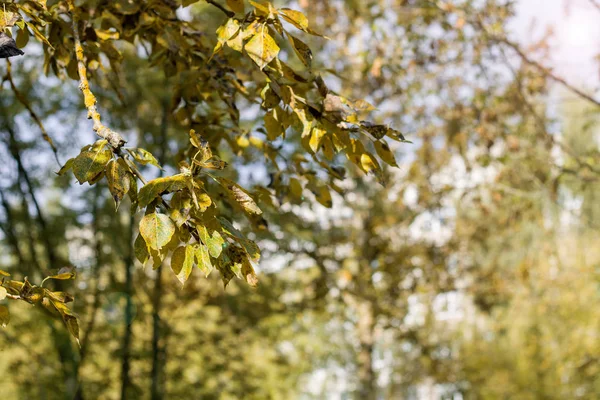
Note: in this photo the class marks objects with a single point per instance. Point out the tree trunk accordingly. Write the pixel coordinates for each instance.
(366, 375)
(158, 359)
(126, 347)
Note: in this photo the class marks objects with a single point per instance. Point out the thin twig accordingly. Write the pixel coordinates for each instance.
(596, 4)
(230, 14)
(32, 113)
(113, 138)
(546, 71)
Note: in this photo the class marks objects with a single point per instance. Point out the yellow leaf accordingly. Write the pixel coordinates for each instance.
(225, 33)
(262, 48)
(182, 262)
(316, 137)
(143, 157)
(213, 242)
(118, 179)
(157, 186)
(203, 258)
(240, 196)
(89, 163)
(324, 196)
(383, 150)
(296, 188)
(157, 230)
(272, 125)
(302, 50)
(295, 18)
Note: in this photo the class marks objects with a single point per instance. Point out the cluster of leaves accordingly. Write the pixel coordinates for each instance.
(53, 301)
(181, 212)
(300, 102)
(188, 224)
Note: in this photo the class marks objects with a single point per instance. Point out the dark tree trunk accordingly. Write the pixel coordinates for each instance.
(126, 347)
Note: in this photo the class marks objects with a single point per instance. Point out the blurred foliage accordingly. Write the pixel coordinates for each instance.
(451, 257)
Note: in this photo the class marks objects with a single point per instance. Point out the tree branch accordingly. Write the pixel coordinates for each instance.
(230, 14)
(113, 138)
(546, 71)
(23, 100)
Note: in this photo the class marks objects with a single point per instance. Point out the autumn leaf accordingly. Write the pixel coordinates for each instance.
(157, 186)
(203, 259)
(240, 195)
(157, 230)
(182, 262)
(90, 163)
(117, 176)
(262, 48)
(214, 242)
(143, 157)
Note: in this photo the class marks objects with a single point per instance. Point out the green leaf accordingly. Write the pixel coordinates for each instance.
(4, 316)
(117, 176)
(155, 187)
(157, 230)
(214, 242)
(240, 195)
(89, 163)
(262, 48)
(4, 273)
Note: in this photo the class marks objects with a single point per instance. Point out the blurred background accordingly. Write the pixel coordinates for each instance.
(473, 274)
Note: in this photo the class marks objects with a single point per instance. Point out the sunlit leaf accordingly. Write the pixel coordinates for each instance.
(159, 186)
(157, 230)
(143, 157)
(240, 195)
(213, 240)
(90, 163)
(182, 262)
(117, 176)
(262, 48)
(203, 259)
